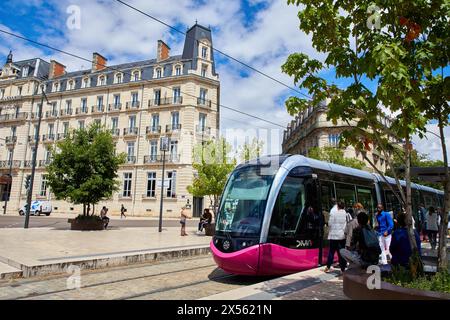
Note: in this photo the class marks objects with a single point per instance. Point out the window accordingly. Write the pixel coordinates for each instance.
(134, 99)
(25, 71)
(43, 191)
(85, 83)
(130, 151)
(116, 100)
(176, 95)
(127, 176)
(84, 105)
(175, 120)
(153, 150)
(13, 131)
(81, 124)
(333, 139)
(178, 70)
(51, 127)
(114, 123)
(155, 121)
(202, 121)
(56, 87)
(119, 78)
(157, 97)
(131, 122)
(347, 193)
(204, 70)
(151, 184)
(97, 122)
(202, 97)
(204, 52)
(158, 73)
(19, 91)
(65, 128)
(2, 93)
(48, 155)
(367, 198)
(101, 80)
(100, 103)
(71, 85)
(171, 176)
(136, 76)
(173, 150)
(68, 105)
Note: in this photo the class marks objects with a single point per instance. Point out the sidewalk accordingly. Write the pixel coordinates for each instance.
(40, 251)
(111, 216)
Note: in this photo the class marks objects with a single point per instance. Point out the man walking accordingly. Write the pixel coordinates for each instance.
(122, 212)
(384, 231)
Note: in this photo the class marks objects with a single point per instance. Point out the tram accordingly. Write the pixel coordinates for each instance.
(273, 211)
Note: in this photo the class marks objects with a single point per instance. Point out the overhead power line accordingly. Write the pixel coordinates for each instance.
(215, 49)
(146, 80)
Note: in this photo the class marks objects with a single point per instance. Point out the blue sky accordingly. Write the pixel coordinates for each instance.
(261, 33)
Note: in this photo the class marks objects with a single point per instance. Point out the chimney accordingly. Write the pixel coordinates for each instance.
(163, 52)
(56, 69)
(98, 62)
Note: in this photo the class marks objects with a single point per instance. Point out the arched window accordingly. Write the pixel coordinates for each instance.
(101, 80)
(119, 78)
(178, 70)
(136, 75)
(158, 72)
(85, 83)
(71, 85)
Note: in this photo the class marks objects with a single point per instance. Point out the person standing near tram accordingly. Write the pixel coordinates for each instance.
(384, 231)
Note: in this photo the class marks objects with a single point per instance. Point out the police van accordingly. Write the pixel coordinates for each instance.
(37, 208)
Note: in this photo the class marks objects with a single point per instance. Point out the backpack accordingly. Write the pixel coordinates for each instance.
(373, 250)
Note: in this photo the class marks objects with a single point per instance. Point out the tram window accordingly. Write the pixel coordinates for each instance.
(391, 202)
(366, 198)
(327, 193)
(288, 207)
(428, 200)
(347, 193)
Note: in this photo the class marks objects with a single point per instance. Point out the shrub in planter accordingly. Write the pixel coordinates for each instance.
(84, 222)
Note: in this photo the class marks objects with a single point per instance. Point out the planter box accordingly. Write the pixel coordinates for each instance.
(86, 225)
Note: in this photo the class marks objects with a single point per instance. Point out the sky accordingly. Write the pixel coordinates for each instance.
(261, 33)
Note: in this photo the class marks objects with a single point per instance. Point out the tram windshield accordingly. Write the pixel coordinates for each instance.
(244, 201)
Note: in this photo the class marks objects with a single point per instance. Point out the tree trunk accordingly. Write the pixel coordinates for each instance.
(409, 220)
(442, 249)
(88, 209)
(84, 209)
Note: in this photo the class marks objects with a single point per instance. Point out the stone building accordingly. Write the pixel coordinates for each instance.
(310, 128)
(171, 95)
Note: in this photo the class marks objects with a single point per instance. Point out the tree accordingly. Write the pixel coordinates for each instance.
(251, 150)
(213, 167)
(392, 46)
(84, 167)
(334, 155)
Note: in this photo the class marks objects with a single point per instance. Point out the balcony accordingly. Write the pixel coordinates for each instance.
(165, 101)
(10, 141)
(204, 102)
(153, 131)
(44, 163)
(66, 112)
(32, 139)
(61, 136)
(81, 111)
(20, 116)
(10, 164)
(115, 107)
(97, 109)
(172, 128)
(132, 105)
(130, 160)
(153, 158)
(48, 138)
(51, 114)
(115, 132)
(130, 132)
(27, 163)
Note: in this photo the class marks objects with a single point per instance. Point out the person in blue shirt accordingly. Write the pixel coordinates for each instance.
(384, 231)
(400, 247)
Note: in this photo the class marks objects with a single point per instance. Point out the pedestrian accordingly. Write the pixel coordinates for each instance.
(352, 224)
(364, 249)
(336, 235)
(205, 219)
(184, 215)
(122, 211)
(103, 216)
(400, 247)
(384, 231)
(423, 221)
(432, 226)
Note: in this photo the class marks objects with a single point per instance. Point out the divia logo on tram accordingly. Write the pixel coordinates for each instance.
(273, 214)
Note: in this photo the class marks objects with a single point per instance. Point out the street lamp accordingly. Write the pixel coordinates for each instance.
(163, 146)
(33, 161)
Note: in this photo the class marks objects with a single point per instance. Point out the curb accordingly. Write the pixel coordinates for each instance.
(105, 262)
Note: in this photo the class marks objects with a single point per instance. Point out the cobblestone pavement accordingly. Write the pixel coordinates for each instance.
(189, 278)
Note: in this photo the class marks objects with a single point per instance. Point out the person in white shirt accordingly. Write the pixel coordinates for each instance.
(336, 235)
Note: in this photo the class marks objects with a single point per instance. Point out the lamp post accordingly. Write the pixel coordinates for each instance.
(164, 146)
(33, 161)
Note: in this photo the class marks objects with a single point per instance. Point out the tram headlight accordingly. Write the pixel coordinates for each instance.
(226, 245)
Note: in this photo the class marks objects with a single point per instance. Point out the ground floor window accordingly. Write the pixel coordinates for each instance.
(43, 191)
(151, 184)
(127, 184)
(171, 176)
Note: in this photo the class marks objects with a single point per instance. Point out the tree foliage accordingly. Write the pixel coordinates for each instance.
(334, 155)
(213, 167)
(84, 167)
(251, 150)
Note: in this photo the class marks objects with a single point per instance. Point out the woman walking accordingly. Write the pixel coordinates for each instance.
(336, 235)
(184, 216)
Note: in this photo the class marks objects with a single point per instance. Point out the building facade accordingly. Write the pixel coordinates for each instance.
(140, 102)
(310, 128)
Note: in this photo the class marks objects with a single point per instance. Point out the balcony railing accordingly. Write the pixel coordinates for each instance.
(114, 107)
(132, 105)
(14, 117)
(130, 131)
(28, 163)
(202, 130)
(66, 112)
(115, 132)
(154, 158)
(204, 102)
(11, 140)
(44, 163)
(131, 159)
(32, 139)
(10, 164)
(153, 130)
(48, 137)
(51, 114)
(97, 108)
(165, 101)
(173, 127)
(81, 110)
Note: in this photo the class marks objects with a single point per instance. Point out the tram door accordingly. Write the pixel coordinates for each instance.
(326, 194)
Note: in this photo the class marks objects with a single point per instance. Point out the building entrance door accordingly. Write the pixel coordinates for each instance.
(197, 207)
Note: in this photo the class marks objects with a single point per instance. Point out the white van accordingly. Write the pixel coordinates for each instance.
(37, 208)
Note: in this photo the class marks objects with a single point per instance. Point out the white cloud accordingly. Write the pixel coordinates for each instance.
(431, 144)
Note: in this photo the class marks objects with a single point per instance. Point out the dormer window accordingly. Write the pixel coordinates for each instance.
(56, 87)
(204, 70)
(158, 73)
(136, 76)
(204, 52)
(101, 80)
(119, 78)
(25, 71)
(178, 70)
(85, 83)
(71, 85)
